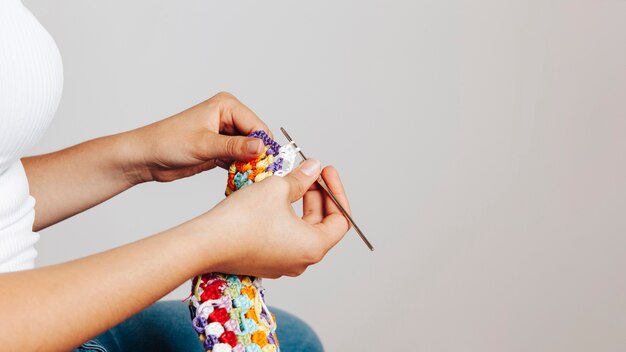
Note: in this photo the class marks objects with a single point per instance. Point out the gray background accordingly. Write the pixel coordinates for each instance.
(482, 143)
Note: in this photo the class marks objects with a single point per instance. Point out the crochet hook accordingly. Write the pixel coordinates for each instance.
(322, 184)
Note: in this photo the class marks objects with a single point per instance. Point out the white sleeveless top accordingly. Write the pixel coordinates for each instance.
(31, 80)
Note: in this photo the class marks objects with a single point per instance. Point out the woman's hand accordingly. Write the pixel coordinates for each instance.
(260, 234)
(74, 179)
(207, 135)
(254, 231)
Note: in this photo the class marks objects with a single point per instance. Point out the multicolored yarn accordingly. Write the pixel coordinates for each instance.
(228, 311)
(276, 160)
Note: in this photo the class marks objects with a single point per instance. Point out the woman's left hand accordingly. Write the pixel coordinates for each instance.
(209, 134)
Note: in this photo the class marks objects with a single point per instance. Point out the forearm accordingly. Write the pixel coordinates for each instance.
(72, 180)
(60, 306)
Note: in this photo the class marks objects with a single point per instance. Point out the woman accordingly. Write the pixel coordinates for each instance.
(63, 306)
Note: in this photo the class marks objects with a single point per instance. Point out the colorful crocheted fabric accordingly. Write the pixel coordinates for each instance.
(276, 160)
(228, 311)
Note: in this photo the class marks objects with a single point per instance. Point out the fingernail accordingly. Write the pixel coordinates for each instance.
(310, 167)
(254, 146)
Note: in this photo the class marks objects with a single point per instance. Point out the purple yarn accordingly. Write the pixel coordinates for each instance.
(210, 342)
(273, 149)
(273, 146)
(223, 302)
(270, 339)
(276, 165)
(199, 323)
(263, 315)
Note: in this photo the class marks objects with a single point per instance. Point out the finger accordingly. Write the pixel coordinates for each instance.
(239, 117)
(333, 181)
(333, 228)
(217, 146)
(205, 166)
(335, 225)
(171, 175)
(301, 178)
(313, 204)
(224, 164)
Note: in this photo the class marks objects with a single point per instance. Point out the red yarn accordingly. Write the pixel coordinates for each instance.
(217, 282)
(219, 315)
(211, 292)
(229, 337)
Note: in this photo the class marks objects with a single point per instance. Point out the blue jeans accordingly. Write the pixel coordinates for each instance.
(165, 326)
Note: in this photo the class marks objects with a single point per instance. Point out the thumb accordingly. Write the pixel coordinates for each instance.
(233, 147)
(302, 177)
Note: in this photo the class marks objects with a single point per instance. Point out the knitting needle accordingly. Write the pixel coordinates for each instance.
(321, 182)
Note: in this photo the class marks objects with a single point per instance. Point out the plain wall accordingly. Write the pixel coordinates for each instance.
(482, 144)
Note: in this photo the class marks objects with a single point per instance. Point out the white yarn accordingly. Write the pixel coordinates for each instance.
(288, 153)
(216, 329)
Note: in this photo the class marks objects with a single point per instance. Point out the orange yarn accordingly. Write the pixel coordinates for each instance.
(251, 314)
(241, 172)
(254, 173)
(259, 338)
(250, 291)
(231, 181)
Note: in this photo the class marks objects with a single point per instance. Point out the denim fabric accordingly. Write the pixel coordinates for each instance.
(166, 327)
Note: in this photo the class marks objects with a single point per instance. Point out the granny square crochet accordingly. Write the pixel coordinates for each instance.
(228, 311)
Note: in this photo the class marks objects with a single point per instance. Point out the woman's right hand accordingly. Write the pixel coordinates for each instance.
(255, 231)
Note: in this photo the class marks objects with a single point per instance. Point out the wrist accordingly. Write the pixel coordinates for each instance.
(208, 242)
(130, 157)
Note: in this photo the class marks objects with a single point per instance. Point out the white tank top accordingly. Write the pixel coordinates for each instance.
(31, 80)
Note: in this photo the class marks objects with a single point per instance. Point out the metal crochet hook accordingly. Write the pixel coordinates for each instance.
(322, 184)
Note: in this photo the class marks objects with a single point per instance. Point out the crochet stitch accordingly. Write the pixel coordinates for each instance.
(228, 311)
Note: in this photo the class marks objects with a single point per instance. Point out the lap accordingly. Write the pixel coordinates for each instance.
(166, 326)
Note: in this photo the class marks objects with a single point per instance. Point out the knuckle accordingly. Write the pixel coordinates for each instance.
(315, 255)
(297, 271)
(297, 184)
(318, 255)
(339, 193)
(223, 95)
(221, 100)
(231, 146)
